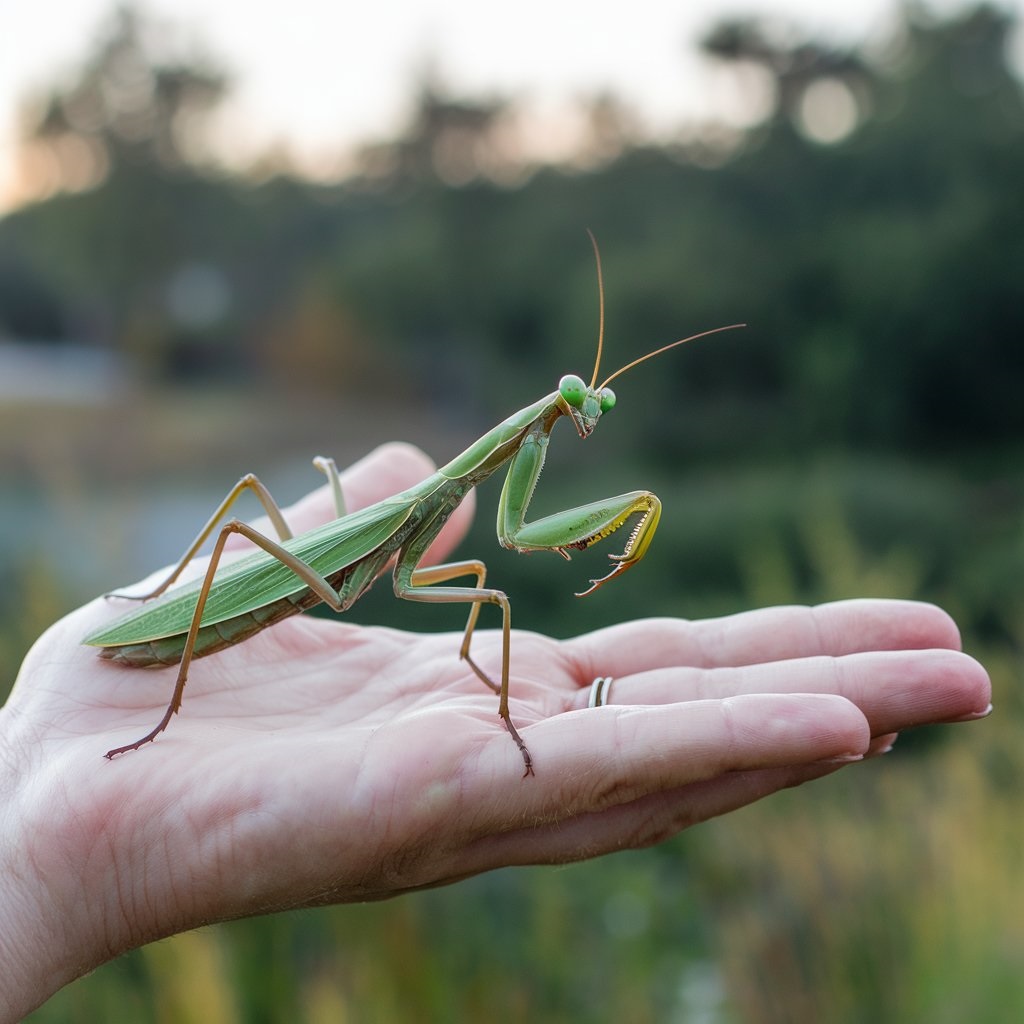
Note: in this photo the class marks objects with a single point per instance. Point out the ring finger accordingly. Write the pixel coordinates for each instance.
(894, 689)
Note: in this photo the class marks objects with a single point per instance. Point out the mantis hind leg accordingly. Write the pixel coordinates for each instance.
(249, 482)
(305, 572)
(419, 585)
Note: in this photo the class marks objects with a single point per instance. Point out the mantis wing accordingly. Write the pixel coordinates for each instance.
(259, 579)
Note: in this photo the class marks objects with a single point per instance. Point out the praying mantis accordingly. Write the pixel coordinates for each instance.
(336, 563)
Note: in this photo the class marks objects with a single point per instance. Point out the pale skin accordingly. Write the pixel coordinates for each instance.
(385, 754)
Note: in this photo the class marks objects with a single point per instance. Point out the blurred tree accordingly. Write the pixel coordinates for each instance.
(797, 68)
(446, 141)
(870, 231)
(126, 136)
(899, 241)
(129, 105)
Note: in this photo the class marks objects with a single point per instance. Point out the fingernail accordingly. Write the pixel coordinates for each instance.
(973, 716)
(841, 759)
(884, 749)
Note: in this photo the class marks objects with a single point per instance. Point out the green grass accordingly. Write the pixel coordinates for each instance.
(895, 893)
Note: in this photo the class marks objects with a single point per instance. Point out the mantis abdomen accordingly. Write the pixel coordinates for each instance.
(350, 583)
(168, 650)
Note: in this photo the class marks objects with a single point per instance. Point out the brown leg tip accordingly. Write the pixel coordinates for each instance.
(527, 759)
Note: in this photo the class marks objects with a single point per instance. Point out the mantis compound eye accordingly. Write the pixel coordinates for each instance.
(607, 399)
(573, 390)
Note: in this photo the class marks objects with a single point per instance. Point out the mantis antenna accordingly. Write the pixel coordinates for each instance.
(600, 328)
(600, 306)
(665, 348)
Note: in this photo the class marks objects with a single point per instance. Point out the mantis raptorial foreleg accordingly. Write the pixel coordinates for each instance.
(576, 528)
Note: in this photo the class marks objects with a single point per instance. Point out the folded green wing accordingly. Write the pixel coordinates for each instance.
(260, 579)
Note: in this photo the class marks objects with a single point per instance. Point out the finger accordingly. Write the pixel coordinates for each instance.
(588, 761)
(894, 689)
(768, 634)
(643, 822)
(882, 744)
(658, 816)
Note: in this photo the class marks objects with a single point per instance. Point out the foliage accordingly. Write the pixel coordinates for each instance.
(878, 273)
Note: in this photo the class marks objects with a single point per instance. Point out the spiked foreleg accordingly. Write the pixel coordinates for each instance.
(576, 528)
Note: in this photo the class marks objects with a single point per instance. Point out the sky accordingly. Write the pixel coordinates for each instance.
(319, 75)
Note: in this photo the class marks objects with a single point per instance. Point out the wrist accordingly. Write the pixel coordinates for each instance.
(29, 975)
(39, 953)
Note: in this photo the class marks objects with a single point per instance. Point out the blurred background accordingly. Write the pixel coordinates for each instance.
(226, 246)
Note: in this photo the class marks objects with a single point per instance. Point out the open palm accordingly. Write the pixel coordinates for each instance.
(322, 761)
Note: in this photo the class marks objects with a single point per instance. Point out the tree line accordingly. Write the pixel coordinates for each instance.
(869, 230)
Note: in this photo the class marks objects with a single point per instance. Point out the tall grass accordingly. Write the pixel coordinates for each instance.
(895, 893)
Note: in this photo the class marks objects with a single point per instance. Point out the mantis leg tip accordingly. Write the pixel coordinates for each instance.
(523, 749)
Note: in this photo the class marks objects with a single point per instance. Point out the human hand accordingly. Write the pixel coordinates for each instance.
(324, 762)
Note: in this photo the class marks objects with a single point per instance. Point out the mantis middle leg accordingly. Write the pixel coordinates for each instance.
(416, 584)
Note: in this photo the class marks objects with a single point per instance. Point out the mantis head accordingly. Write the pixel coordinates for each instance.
(588, 404)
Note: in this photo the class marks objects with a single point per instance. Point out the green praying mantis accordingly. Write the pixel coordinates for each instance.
(336, 563)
